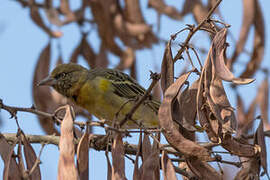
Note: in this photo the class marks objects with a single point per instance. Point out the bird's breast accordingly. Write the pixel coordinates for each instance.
(95, 96)
(98, 97)
(86, 96)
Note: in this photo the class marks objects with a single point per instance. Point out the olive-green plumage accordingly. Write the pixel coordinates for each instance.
(104, 93)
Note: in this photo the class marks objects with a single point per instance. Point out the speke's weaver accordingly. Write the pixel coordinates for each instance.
(104, 93)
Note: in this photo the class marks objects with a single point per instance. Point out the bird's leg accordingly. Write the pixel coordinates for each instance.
(102, 142)
(99, 143)
(106, 140)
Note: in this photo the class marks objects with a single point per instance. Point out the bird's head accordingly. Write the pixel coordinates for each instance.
(65, 78)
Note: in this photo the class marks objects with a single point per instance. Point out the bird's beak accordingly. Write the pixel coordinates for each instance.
(48, 81)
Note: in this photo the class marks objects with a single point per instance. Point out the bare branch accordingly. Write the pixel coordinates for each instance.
(193, 31)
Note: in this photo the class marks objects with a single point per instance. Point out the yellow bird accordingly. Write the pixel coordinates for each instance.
(106, 93)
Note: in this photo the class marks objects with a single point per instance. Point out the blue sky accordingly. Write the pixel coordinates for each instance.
(21, 42)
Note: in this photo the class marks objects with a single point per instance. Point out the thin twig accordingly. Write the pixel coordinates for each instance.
(266, 133)
(189, 57)
(220, 168)
(37, 162)
(236, 164)
(52, 139)
(193, 31)
(196, 54)
(129, 158)
(13, 112)
(155, 77)
(220, 22)
(189, 27)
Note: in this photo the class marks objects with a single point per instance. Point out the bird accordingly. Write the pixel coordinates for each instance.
(108, 94)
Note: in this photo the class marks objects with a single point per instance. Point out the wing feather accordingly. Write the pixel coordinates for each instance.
(126, 87)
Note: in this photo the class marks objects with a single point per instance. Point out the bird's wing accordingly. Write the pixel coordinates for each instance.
(124, 85)
(127, 87)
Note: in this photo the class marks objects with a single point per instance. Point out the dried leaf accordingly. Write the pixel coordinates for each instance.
(173, 136)
(187, 110)
(249, 118)
(69, 15)
(64, 7)
(118, 161)
(75, 54)
(162, 8)
(218, 49)
(102, 58)
(202, 169)
(156, 158)
(228, 142)
(219, 103)
(134, 35)
(136, 172)
(133, 71)
(203, 110)
(240, 112)
(258, 43)
(150, 166)
(247, 21)
(36, 17)
(263, 101)
(133, 11)
(88, 53)
(167, 167)
(250, 172)
(211, 97)
(30, 158)
(260, 140)
(131, 27)
(134, 16)
(128, 28)
(198, 10)
(237, 147)
(42, 95)
(66, 164)
(53, 16)
(83, 156)
(146, 147)
(109, 167)
(11, 168)
(84, 49)
(167, 68)
(127, 59)
(102, 13)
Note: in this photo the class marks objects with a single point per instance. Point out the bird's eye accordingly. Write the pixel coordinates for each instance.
(61, 75)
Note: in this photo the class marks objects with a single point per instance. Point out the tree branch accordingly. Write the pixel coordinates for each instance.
(193, 31)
